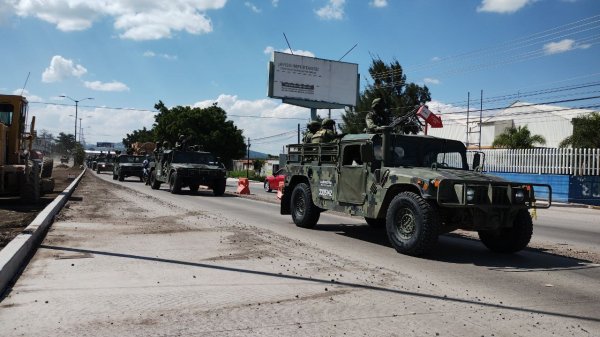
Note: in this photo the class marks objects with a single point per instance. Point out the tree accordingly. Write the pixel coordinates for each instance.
(65, 142)
(141, 135)
(586, 132)
(389, 85)
(518, 138)
(207, 127)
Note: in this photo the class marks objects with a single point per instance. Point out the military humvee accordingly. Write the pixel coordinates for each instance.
(417, 187)
(128, 166)
(104, 164)
(188, 169)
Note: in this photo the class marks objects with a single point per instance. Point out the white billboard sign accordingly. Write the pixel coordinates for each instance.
(311, 79)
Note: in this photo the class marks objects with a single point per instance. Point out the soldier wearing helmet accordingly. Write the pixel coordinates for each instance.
(377, 117)
(312, 127)
(326, 134)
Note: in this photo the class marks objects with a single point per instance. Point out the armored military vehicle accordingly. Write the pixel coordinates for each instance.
(188, 169)
(104, 164)
(126, 165)
(415, 186)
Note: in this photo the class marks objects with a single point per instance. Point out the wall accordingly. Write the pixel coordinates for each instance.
(559, 183)
(565, 188)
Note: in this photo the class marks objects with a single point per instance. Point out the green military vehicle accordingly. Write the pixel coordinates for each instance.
(417, 187)
(126, 165)
(188, 169)
(104, 164)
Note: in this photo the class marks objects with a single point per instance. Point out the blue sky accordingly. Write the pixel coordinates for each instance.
(129, 54)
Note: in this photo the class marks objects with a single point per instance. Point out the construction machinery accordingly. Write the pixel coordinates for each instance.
(22, 172)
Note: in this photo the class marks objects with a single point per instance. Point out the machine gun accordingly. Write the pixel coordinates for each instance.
(409, 122)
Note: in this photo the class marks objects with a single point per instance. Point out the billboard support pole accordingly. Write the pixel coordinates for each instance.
(313, 114)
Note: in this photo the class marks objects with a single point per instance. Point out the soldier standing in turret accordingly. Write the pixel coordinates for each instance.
(313, 127)
(326, 134)
(377, 117)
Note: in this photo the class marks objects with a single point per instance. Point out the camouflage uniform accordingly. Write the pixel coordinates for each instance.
(376, 117)
(312, 127)
(326, 134)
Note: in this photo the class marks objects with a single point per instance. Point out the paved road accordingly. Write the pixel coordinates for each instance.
(176, 265)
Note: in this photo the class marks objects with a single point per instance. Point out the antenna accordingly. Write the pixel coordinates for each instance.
(288, 43)
(348, 52)
(25, 84)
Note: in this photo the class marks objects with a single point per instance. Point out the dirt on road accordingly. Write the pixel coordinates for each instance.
(16, 216)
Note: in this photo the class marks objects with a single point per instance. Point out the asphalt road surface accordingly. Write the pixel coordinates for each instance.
(122, 259)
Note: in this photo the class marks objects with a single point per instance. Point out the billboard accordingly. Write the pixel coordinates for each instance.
(310, 79)
(105, 144)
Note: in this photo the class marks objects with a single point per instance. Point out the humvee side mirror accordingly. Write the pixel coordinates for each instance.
(476, 161)
(366, 153)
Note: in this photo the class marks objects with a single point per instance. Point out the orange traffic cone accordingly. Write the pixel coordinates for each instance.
(280, 190)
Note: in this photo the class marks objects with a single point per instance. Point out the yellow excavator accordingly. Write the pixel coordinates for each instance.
(22, 172)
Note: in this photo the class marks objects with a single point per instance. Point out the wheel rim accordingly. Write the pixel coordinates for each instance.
(405, 224)
(299, 205)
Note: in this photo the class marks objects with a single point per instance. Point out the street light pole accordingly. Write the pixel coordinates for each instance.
(76, 106)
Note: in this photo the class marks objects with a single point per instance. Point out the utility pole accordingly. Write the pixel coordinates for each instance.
(76, 105)
(248, 160)
(480, 117)
(298, 133)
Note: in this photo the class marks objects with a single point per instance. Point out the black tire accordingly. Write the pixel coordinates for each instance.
(509, 240)
(30, 186)
(219, 187)
(47, 167)
(412, 224)
(142, 179)
(304, 213)
(115, 176)
(194, 188)
(267, 186)
(375, 223)
(174, 183)
(154, 183)
(98, 170)
(121, 176)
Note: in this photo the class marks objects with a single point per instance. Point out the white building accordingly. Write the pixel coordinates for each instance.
(550, 121)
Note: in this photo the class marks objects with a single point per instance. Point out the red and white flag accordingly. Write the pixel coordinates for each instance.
(432, 119)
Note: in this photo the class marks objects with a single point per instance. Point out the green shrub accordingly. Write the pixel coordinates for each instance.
(242, 174)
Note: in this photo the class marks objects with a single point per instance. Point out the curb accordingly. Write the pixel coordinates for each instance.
(16, 253)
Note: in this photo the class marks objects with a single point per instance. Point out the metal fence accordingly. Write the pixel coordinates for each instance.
(576, 162)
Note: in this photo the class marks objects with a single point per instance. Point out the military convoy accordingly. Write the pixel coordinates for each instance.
(180, 168)
(417, 187)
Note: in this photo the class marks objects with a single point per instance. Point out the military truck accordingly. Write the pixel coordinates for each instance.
(104, 164)
(126, 165)
(415, 186)
(190, 169)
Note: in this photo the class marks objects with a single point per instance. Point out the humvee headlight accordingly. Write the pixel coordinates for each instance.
(519, 196)
(470, 194)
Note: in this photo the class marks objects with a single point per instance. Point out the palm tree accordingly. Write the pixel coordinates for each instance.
(518, 138)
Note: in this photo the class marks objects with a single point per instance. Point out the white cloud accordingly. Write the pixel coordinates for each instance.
(150, 53)
(137, 20)
(275, 120)
(378, 3)
(30, 97)
(503, 6)
(252, 7)
(334, 10)
(61, 68)
(269, 50)
(275, 3)
(428, 80)
(436, 59)
(109, 86)
(563, 46)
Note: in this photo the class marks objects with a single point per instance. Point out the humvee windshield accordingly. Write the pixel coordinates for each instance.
(131, 159)
(193, 158)
(425, 152)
